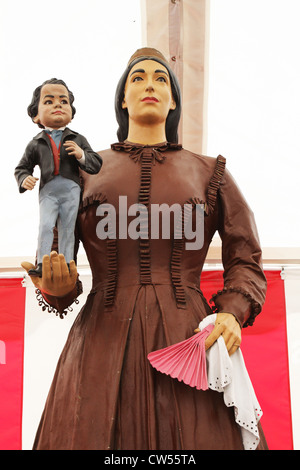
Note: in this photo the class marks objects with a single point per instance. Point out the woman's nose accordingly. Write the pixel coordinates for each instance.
(149, 86)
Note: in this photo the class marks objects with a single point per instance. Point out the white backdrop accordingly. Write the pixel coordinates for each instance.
(253, 108)
(253, 97)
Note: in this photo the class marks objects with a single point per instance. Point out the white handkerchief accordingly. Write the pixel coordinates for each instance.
(228, 374)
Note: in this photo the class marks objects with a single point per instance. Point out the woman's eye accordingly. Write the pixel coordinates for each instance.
(137, 79)
(161, 79)
(48, 102)
(64, 101)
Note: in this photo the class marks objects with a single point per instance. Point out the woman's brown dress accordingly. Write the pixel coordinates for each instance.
(146, 295)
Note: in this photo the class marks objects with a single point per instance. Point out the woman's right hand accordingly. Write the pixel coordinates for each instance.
(227, 326)
(57, 280)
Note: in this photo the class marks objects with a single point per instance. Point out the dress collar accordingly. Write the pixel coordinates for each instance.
(127, 146)
(137, 151)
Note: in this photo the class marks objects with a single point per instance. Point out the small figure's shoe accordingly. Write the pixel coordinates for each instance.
(37, 272)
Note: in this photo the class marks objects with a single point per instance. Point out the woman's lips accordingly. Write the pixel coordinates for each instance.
(150, 99)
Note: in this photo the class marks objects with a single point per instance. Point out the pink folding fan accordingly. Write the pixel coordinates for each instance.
(185, 361)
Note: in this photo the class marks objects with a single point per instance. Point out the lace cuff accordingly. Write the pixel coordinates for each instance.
(63, 304)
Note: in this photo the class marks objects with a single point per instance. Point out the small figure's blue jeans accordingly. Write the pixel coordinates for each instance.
(59, 202)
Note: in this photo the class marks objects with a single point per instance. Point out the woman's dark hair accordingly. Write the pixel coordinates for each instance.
(32, 109)
(173, 118)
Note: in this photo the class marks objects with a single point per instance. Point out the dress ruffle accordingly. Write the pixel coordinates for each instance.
(215, 181)
(146, 156)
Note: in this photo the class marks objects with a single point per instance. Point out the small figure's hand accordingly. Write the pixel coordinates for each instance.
(73, 149)
(29, 182)
(57, 279)
(227, 326)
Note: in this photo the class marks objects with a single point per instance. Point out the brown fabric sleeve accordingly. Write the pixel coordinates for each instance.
(244, 281)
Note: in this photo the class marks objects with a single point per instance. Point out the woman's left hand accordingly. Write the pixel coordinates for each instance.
(227, 326)
(57, 280)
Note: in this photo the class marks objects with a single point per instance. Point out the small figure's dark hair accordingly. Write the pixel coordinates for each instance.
(32, 109)
(173, 118)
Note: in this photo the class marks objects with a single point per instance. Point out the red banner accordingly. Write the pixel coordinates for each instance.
(265, 350)
(12, 313)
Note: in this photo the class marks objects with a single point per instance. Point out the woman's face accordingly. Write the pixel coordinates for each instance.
(148, 95)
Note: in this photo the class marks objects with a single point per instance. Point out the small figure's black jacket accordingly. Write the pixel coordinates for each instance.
(39, 152)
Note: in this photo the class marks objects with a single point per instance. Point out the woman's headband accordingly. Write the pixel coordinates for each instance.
(147, 53)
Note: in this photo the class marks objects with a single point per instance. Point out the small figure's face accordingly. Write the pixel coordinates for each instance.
(54, 108)
(148, 96)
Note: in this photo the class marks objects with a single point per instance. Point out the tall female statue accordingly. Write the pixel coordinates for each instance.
(146, 288)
